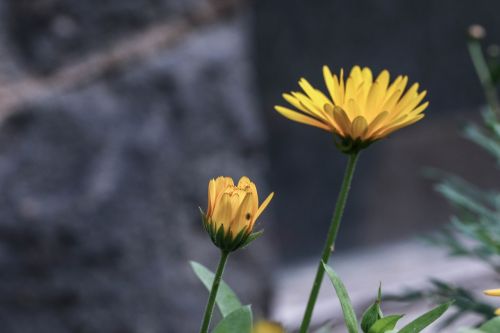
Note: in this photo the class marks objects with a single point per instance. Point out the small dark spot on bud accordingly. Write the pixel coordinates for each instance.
(248, 216)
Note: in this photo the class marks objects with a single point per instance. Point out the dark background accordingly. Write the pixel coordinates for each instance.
(425, 40)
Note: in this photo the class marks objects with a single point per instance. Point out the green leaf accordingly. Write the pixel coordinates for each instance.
(372, 314)
(385, 324)
(226, 299)
(491, 326)
(345, 301)
(240, 320)
(426, 319)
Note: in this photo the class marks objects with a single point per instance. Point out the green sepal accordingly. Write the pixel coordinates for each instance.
(225, 240)
(373, 313)
(349, 146)
(253, 236)
(385, 324)
(240, 320)
(220, 237)
(426, 319)
(240, 238)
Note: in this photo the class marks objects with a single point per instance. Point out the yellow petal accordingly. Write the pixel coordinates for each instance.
(330, 85)
(244, 181)
(300, 118)
(250, 187)
(316, 110)
(350, 89)
(329, 109)
(317, 97)
(497, 312)
(295, 102)
(376, 123)
(367, 75)
(340, 87)
(389, 129)
(374, 99)
(263, 206)
(243, 217)
(211, 197)
(342, 120)
(383, 80)
(359, 127)
(420, 109)
(492, 292)
(223, 211)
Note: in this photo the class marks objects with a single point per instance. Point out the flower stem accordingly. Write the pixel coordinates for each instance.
(213, 292)
(484, 74)
(330, 240)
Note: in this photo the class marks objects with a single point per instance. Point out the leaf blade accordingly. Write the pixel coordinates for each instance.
(385, 324)
(226, 299)
(345, 302)
(240, 320)
(426, 319)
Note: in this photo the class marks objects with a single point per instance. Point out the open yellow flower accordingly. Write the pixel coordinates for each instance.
(494, 292)
(359, 110)
(232, 211)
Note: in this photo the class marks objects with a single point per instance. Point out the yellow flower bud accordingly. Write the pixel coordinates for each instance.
(232, 211)
(493, 292)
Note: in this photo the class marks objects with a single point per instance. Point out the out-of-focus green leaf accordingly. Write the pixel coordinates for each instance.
(478, 136)
(491, 326)
(327, 328)
(226, 299)
(426, 319)
(240, 320)
(345, 302)
(385, 324)
(470, 330)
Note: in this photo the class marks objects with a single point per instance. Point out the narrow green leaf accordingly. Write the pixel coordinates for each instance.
(385, 324)
(226, 299)
(426, 319)
(240, 320)
(345, 301)
(491, 326)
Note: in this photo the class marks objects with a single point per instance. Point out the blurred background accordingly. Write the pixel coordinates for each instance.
(116, 113)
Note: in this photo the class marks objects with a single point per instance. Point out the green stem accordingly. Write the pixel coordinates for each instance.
(330, 240)
(213, 292)
(484, 74)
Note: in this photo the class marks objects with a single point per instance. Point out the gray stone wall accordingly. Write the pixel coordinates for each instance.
(106, 148)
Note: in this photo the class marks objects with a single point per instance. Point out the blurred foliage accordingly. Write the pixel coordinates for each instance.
(373, 319)
(474, 230)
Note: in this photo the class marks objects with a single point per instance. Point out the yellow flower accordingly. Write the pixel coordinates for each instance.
(264, 326)
(359, 110)
(494, 292)
(232, 211)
